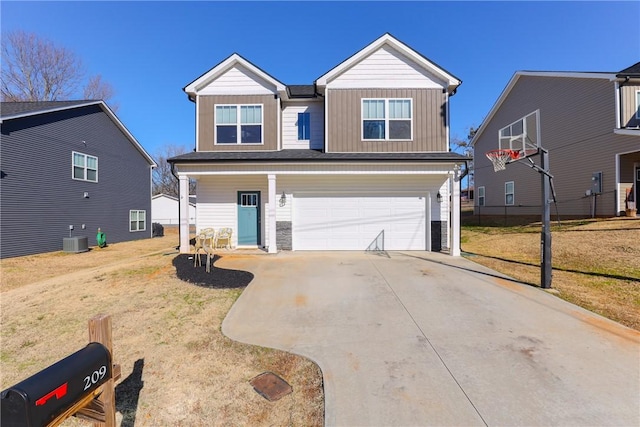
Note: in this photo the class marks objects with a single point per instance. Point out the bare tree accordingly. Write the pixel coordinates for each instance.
(98, 89)
(464, 146)
(164, 182)
(35, 69)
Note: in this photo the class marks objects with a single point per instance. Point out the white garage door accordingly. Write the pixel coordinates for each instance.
(352, 222)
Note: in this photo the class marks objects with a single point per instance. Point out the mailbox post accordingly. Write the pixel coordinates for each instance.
(44, 397)
(81, 384)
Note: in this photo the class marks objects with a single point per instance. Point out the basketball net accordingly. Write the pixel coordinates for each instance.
(500, 158)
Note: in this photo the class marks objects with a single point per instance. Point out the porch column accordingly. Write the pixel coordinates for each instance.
(184, 214)
(271, 215)
(455, 217)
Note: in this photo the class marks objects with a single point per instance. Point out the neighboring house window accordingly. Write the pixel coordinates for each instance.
(238, 124)
(85, 167)
(480, 196)
(387, 119)
(509, 193)
(137, 220)
(638, 104)
(304, 129)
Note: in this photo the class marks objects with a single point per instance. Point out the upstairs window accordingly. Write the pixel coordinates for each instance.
(85, 167)
(480, 196)
(238, 124)
(387, 119)
(304, 128)
(638, 104)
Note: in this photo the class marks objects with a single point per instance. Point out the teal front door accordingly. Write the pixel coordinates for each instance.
(248, 218)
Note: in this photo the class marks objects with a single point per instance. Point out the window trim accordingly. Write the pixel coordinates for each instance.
(512, 193)
(481, 196)
(137, 211)
(386, 119)
(85, 167)
(238, 124)
(306, 130)
(637, 104)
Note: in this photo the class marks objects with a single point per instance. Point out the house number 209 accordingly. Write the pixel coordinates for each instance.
(95, 376)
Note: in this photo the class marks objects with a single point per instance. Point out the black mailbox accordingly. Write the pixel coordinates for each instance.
(39, 399)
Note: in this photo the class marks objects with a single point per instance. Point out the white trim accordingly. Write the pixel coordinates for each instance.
(197, 85)
(271, 215)
(617, 104)
(238, 125)
(389, 40)
(326, 122)
(73, 166)
(198, 122)
(513, 193)
(386, 119)
(628, 132)
(137, 211)
(637, 104)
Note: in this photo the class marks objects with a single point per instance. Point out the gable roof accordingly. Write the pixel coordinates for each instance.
(633, 71)
(388, 40)
(16, 110)
(231, 61)
(518, 74)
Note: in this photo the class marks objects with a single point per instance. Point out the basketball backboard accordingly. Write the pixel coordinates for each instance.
(522, 137)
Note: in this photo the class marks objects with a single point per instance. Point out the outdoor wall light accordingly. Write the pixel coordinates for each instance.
(283, 199)
(439, 197)
(86, 194)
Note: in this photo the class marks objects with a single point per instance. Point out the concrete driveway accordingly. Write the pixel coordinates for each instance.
(418, 338)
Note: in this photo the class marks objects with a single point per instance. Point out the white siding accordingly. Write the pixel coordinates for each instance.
(386, 68)
(238, 81)
(290, 126)
(218, 198)
(164, 210)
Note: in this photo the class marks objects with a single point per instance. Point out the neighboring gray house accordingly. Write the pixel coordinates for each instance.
(359, 159)
(69, 163)
(589, 123)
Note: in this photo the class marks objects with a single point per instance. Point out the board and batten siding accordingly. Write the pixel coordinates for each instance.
(39, 197)
(345, 121)
(386, 68)
(629, 105)
(577, 118)
(290, 126)
(206, 122)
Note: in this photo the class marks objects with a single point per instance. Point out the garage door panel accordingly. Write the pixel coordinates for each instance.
(353, 222)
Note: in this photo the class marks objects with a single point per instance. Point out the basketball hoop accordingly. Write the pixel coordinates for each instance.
(500, 158)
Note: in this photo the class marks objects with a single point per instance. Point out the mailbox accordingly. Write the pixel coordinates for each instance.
(39, 399)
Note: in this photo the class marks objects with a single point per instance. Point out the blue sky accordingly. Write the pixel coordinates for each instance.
(150, 50)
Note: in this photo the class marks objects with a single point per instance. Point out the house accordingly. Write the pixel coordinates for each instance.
(359, 159)
(165, 209)
(589, 122)
(69, 168)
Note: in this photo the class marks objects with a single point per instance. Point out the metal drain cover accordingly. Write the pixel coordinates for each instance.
(270, 386)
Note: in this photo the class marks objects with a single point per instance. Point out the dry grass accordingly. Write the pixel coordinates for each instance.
(177, 367)
(596, 263)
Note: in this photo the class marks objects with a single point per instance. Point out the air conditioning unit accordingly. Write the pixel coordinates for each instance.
(75, 244)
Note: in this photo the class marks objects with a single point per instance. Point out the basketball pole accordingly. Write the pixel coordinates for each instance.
(545, 234)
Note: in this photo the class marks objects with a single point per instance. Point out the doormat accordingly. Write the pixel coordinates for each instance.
(270, 386)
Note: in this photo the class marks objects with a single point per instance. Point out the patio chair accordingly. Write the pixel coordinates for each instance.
(223, 238)
(204, 239)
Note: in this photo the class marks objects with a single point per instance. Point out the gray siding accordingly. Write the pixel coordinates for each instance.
(345, 123)
(628, 106)
(577, 117)
(206, 108)
(39, 199)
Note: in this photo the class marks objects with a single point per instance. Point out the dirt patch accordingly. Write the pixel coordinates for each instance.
(177, 366)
